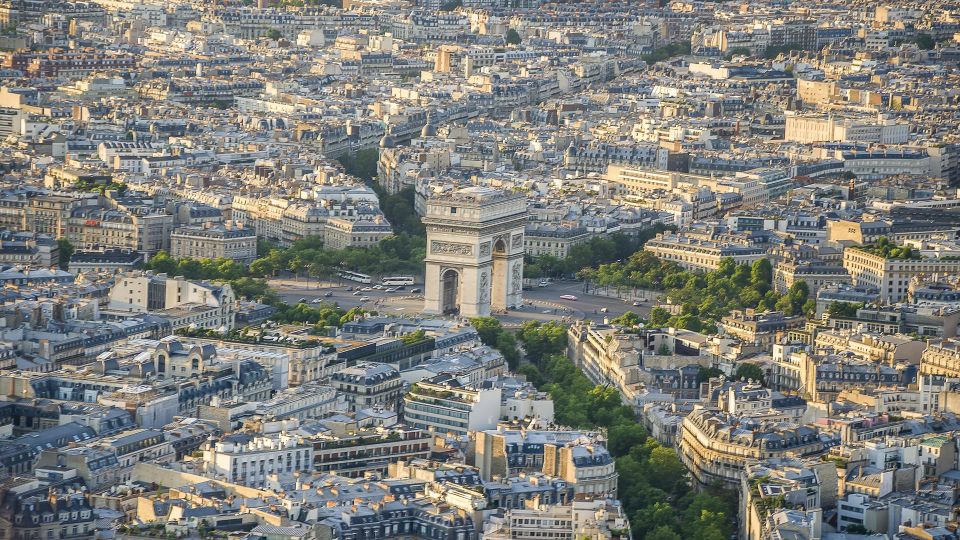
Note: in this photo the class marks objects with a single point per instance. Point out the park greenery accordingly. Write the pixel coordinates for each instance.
(598, 250)
(654, 487)
(246, 285)
(493, 334)
(398, 254)
(701, 298)
(667, 52)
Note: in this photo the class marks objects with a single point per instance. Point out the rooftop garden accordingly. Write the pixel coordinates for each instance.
(888, 250)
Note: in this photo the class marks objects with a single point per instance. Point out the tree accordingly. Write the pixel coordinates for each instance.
(749, 372)
(542, 339)
(488, 328)
(65, 250)
(512, 37)
(704, 374)
(274, 34)
(761, 273)
(659, 317)
(628, 319)
(665, 468)
(362, 164)
(663, 532)
(925, 41)
(843, 309)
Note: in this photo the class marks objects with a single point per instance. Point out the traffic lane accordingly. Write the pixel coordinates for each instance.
(544, 301)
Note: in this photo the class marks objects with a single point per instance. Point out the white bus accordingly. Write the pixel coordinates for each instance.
(355, 276)
(398, 280)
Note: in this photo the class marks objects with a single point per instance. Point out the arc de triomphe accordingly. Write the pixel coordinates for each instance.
(474, 260)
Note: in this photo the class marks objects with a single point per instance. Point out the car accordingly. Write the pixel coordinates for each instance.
(543, 284)
(316, 301)
(328, 294)
(357, 293)
(378, 287)
(604, 310)
(303, 301)
(415, 290)
(401, 287)
(350, 288)
(392, 289)
(636, 303)
(364, 298)
(367, 289)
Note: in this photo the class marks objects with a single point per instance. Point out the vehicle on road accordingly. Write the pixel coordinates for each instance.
(316, 301)
(327, 294)
(367, 289)
(543, 284)
(567, 297)
(392, 289)
(364, 298)
(356, 276)
(604, 310)
(302, 301)
(397, 280)
(350, 288)
(357, 293)
(378, 287)
(636, 303)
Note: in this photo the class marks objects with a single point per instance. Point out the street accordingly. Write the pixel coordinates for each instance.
(541, 303)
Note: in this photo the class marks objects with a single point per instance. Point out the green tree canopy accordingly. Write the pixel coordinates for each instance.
(749, 371)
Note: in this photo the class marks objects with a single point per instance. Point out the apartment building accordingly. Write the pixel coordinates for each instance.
(231, 240)
(212, 305)
(249, 459)
(891, 276)
(369, 450)
(369, 384)
(941, 357)
(693, 253)
(442, 405)
(716, 447)
(758, 328)
(819, 128)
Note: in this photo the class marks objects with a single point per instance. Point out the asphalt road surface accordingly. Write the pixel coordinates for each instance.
(541, 303)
